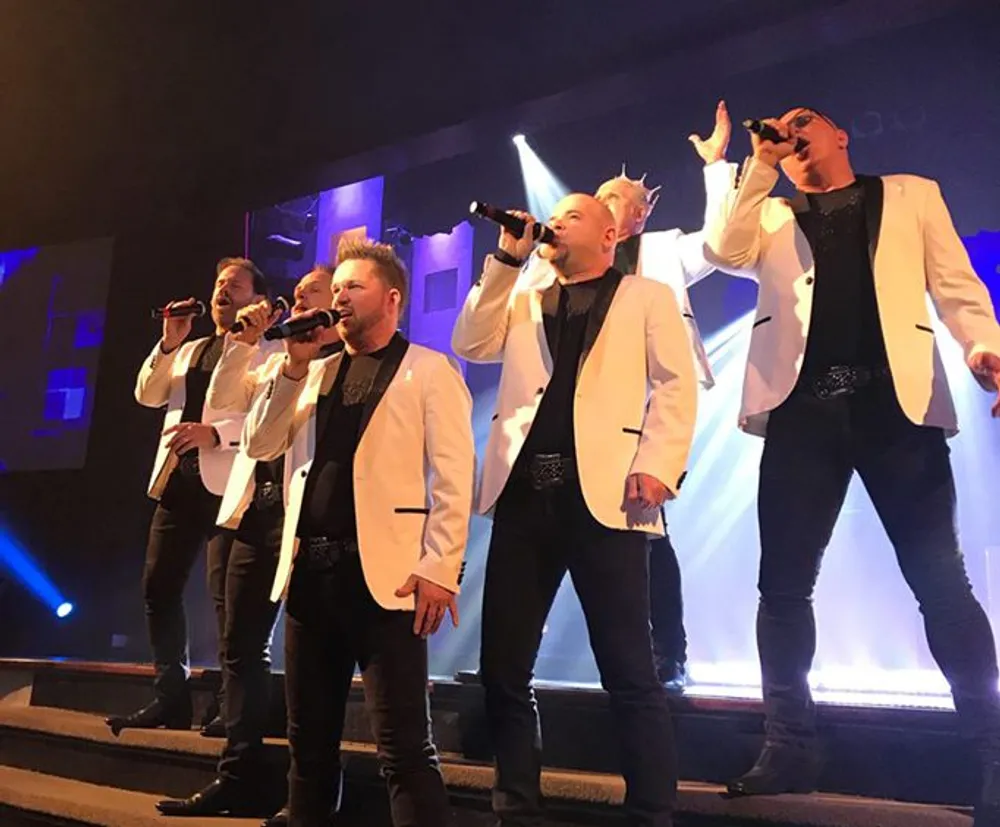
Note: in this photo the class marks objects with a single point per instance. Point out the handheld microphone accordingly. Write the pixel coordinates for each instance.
(293, 327)
(197, 310)
(539, 233)
(280, 303)
(766, 132)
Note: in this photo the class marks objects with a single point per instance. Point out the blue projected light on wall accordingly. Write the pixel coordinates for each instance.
(66, 394)
(10, 261)
(16, 560)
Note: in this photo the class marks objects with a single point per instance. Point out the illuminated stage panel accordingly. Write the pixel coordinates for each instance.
(440, 278)
(53, 302)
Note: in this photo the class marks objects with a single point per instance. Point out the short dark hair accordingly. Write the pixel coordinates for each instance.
(260, 284)
(390, 267)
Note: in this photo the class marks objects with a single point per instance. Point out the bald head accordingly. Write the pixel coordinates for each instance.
(585, 237)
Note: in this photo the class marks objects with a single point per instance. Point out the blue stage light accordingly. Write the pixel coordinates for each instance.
(22, 567)
(64, 610)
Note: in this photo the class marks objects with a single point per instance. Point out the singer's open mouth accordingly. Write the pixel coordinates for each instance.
(801, 145)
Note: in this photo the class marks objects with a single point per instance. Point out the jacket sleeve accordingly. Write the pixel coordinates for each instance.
(719, 179)
(480, 333)
(152, 386)
(668, 427)
(960, 297)
(267, 432)
(733, 237)
(451, 461)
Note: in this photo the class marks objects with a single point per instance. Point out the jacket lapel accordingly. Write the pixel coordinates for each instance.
(598, 313)
(874, 190)
(395, 351)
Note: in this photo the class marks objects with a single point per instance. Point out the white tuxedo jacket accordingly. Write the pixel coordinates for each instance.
(631, 414)
(915, 251)
(241, 374)
(161, 383)
(414, 468)
(675, 258)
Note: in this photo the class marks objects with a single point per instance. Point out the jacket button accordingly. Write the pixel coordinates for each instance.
(305, 473)
(809, 280)
(540, 391)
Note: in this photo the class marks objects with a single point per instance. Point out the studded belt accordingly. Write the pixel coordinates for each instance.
(321, 553)
(267, 495)
(188, 464)
(547, 471)
(841, 380)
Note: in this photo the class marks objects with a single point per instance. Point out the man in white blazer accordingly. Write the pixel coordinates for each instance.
(587, 442)
(253, 507)
(379, 472)
(677, 259)
(189, 476)
(844, 374)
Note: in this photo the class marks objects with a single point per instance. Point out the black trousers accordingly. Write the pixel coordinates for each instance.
(332, 624)
(183, 522)
(246, 646)
(811, 450)
(666, 603)
(537, 537)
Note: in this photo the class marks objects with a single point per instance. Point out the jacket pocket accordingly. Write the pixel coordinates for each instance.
(635, 431)
(423, 511)
(925, 328)
(761, 321)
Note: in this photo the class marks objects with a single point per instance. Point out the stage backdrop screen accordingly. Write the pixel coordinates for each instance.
(52, 305)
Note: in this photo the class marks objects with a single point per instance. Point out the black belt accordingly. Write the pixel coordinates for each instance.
(188, 464)
(841, 380)
(267, 495)
(320, 553)
(547, 471)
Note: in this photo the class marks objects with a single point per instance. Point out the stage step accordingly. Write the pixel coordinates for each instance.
(76, 754)
(31, 798)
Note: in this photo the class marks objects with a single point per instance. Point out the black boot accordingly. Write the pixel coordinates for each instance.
(672, 674)
(220, 798)
(779, 769)
(279, 819)
(216, 728)
(173, 715)
(988, 806)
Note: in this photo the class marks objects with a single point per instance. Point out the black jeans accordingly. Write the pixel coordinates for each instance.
(537, 537)
(333, 623)
(666, 604)
(184, 521)
(812, 448)
(246, 662)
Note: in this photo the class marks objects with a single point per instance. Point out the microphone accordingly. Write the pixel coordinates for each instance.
(293, 327)
(540, 232)
(197, 310)
(280, 303)
(765, 131)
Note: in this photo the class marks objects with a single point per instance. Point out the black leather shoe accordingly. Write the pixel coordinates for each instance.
(988, 806)
(673, 675)
(157, 714)
(216, 728)
(779, 769)
(279, 819)
(220, 798)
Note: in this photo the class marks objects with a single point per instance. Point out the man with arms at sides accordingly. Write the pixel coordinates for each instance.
(379, 476)
(253, 506)
(189, 476)
(587, 443)
(844, 375)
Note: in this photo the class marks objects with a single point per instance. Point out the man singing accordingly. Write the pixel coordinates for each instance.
(253, 506)
(677, 259)
(379, 476)
(844, 375)
(587, 443)
(190, 472)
